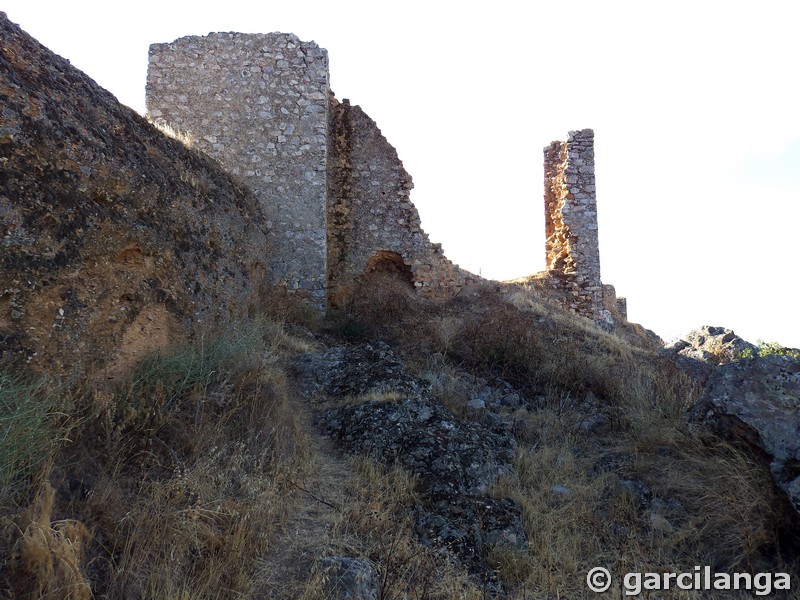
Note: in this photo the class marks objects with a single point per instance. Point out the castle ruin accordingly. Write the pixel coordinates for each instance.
(334, 190)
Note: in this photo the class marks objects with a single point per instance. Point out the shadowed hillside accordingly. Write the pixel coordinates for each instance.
(116, 240)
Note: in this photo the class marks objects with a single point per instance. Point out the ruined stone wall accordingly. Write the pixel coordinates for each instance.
(333, 188)
(615, 305)
(258, 103)
(373, 225)
(571, 246)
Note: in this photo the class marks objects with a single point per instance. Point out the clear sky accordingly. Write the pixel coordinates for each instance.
(694, 107)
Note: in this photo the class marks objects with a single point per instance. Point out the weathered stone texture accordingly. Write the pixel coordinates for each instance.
(393, 417)
(701, 350)
(345, 578)
(571, 246)
(373, 225)
(757, 401)
(613, 303)
(258, 103)
(334, 190)
(114, 239)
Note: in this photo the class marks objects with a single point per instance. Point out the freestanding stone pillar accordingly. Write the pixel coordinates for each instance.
(571, 247)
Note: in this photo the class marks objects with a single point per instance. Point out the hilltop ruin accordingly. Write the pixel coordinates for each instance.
(334, 190)
(118, 241)
(572, 250)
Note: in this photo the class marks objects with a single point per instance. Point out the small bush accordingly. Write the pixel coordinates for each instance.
(770, 349)
(28, 433)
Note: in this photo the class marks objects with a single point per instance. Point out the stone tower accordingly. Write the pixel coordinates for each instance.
(571, 246)
(258, 103)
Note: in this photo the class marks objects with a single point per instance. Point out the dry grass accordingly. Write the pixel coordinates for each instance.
(728, 515)
(48, 557)
(187, 485)
(447, 385)
(215, 485)
(383, 307)
(201, 477)
(31, 424)
(577, 520)
(375, 524)
(185, 138)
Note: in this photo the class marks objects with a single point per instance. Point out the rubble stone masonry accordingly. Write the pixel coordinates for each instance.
(373, 225)
(334, 190)
(571, 245)
(258, 103)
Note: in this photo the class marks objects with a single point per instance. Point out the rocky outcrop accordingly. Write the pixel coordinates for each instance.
(345, 578)
(392, 417)
(450, 457)
(340, 372)
(702, 349)
(757, 401)
(116, 240)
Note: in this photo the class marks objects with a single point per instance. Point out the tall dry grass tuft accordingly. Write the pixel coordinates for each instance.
(211, 481)
(535, 349)
(185, 138)
(47, 559)
(734, 519)
(383, 307)
(292, 310)
(713, 506)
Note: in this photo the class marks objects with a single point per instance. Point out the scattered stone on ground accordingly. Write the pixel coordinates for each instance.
(371, 405)
(345, 578)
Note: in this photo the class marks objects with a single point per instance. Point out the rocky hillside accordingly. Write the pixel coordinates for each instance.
(169, 430)
(116, 240)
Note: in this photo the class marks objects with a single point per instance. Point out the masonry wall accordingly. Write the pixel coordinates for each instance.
(258, 103)
(373, 225)
(571, 246)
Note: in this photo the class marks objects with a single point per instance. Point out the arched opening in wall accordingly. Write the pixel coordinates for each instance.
(385, 263)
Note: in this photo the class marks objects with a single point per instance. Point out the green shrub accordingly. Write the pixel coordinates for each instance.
(131, 416)
(27, 431)
(173, 375)
(770, 349)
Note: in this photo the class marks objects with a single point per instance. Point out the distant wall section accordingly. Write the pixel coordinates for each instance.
(372, 222)
(258, 103)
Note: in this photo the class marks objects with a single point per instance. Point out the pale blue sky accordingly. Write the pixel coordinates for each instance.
(694, 107)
